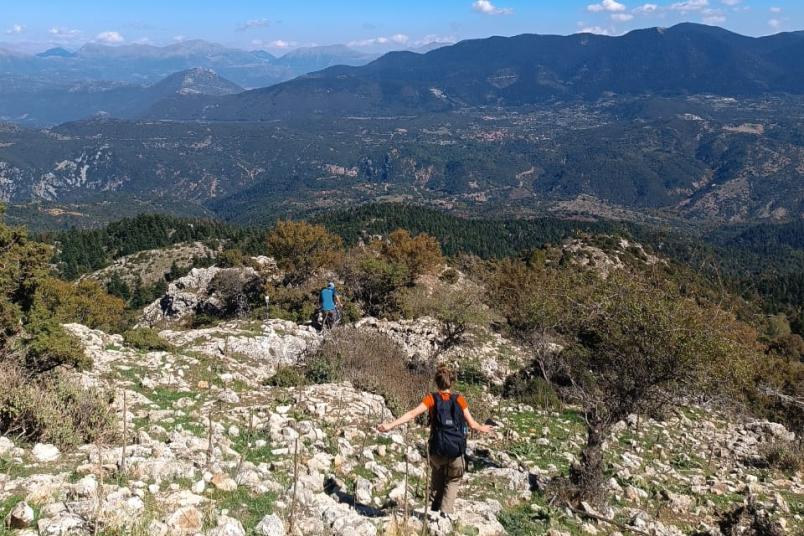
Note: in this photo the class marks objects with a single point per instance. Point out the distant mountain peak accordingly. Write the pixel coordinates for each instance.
(196, 81)
(56, 52)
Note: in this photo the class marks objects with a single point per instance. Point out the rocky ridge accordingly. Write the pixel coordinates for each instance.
(211, 449)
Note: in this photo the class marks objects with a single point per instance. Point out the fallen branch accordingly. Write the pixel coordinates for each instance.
(609, 521)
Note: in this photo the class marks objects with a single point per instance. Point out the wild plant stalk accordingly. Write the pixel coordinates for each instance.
(99, 491)
(249, 437)
(425, 524)
(292, 510)
(210, 447)
(125, 432)
(406, 516)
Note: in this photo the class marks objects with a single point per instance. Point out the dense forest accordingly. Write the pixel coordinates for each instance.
(764, 263)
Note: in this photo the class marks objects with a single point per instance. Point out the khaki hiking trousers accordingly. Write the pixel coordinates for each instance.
(446, 477)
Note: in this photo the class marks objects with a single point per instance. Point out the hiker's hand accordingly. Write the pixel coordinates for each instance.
(485, 429)
(384, 428)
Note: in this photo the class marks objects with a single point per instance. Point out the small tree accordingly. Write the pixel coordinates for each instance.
(235, 290)
(631, 345)
(374, 280)
(85, 302)
(301, 249)
(459, 311)
(420, 254)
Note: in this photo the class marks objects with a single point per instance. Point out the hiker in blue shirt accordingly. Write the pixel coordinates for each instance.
(329, 301)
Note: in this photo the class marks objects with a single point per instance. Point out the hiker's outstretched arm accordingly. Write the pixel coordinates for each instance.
(407, 417)
(473, 424)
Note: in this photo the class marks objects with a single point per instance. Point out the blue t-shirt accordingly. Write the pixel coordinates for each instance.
(328, 299)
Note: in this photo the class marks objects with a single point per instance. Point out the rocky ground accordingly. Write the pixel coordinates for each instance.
(209, 448)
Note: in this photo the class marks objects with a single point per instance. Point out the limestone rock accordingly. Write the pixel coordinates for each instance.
(227, 527)
(20, 517)
(44, 453)
(271, 525)
(185, 521)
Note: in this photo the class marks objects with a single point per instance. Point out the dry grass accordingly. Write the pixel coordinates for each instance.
(52, 409)
(371, 362)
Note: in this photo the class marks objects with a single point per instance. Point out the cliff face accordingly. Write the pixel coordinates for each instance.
(212, 449)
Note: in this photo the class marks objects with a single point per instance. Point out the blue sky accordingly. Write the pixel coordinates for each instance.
(370, 25)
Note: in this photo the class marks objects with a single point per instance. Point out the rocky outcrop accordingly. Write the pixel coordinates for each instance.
(491, 354)
(149, 267)
(194, 293)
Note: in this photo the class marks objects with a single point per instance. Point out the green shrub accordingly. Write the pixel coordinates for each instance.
(292, 303)
(287, 377)
(237, 290)
(53, 409)
(86, 302)
(450, 276)
(786, 456)
(460, 311)
(533, 391)
(146, 339)
(49, 346)
(471, 374)
(231, 258)
(373, 280)
(323, 367)
(301, 249)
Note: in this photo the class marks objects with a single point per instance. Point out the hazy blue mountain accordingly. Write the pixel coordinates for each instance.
(57, 52)
(309, 59)
(512, 71)
(35, 103)
(147, 64)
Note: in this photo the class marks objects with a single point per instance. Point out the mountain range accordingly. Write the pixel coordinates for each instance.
(690, 123)
(28, 102)
(528, 69)
(147, 64)
(59, 85)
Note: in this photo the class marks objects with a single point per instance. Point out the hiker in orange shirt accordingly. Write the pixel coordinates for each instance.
(449, 418)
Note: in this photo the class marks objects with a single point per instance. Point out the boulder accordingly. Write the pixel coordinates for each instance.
(44, 453)
(227, 527)
(20, 517)
(186, 520)
(271, 525)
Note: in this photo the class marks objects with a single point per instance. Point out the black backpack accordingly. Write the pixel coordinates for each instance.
(447, 428)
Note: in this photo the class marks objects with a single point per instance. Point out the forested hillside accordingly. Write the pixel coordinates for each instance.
(738, 258)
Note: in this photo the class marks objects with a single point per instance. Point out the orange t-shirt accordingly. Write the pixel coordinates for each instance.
(429, 401)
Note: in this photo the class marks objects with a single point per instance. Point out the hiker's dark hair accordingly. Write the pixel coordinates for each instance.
(444, 378)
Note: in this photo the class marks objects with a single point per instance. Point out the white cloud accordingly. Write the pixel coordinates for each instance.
(179, 38)
(253, 23)
(397, 39)
(775, 23)
(487, 8)
(731, 2)
(621, 17)
(690, 5)
(775, 10)
(435, 39)
(109, 38)
(16, 29)
(646, 9)
(282, 44)
(369, 42)
(64, 34)
(606, 5)
(714, 18)
(595, 30)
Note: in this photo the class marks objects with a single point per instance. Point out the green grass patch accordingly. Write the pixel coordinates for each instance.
(247, 508)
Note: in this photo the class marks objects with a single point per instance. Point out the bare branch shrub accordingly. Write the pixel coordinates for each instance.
(371, 362)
